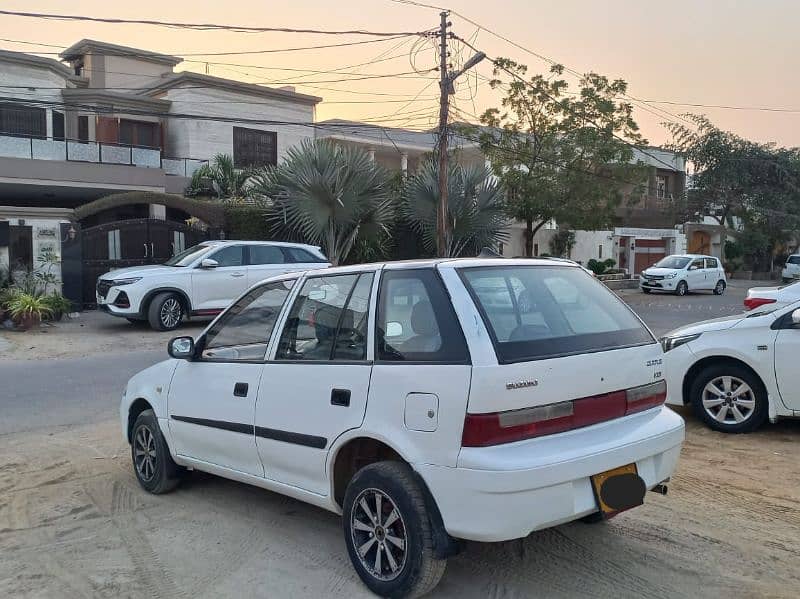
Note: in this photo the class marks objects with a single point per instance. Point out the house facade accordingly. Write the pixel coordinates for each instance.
(113, 120)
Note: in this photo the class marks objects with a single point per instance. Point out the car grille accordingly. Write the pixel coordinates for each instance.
(103, 287)
(654, 277)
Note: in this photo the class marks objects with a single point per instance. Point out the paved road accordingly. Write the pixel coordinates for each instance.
(36, 394)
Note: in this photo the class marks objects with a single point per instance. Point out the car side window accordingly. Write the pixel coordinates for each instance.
(696, 264)
(301, 255)
(265, 254)
(231, 255)
(242, 333)
(416, 321)
(712, 263)
(328, 320)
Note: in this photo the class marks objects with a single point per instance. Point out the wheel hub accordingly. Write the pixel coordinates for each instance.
(379, 534)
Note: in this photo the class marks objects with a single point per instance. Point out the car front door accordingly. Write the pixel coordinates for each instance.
(787, 348)
(696, 275)
(316, 386)
(214, 288)
(211, 400)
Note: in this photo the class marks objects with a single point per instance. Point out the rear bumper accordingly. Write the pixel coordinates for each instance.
(508, 491)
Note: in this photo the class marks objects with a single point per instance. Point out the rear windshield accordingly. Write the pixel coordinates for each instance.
(538, 312)
(673, 262)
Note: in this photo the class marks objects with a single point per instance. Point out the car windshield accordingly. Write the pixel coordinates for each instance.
(673, 262)
(538, 312)
(186, 257)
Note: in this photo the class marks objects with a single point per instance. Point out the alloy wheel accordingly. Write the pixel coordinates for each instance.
(720, 289)
(379, 534)
(171, 313)
(728, 400)
(144, 453)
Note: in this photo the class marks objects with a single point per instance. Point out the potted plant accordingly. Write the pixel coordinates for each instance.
(27, 310)
(58, 304)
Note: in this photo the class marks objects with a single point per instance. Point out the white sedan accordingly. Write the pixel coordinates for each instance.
(737, 371)
(761, 296)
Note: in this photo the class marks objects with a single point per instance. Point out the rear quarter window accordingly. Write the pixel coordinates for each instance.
(538, 312)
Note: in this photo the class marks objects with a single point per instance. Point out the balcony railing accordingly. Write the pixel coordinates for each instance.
(39, 148)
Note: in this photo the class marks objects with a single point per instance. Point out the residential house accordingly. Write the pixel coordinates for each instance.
(109, 119)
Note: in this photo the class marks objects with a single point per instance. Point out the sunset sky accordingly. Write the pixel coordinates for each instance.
(741, 54)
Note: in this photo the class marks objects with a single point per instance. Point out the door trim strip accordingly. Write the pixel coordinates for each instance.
(267, 433)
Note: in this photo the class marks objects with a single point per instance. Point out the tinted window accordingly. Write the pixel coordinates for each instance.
(186, 257)
(328, 320)
(696, 264)
(228, 256)
(542, 312)
(712, 263)
(265, 254)
(416, 321)
(793, 260)
(672, 262)
(301, 255)
(243, 332)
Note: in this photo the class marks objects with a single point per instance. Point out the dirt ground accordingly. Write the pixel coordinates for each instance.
(74, 523)
(91, 332)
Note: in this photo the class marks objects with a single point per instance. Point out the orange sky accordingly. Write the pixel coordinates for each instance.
(703, 51)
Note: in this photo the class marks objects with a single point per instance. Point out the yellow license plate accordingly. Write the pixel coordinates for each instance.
(618, 490)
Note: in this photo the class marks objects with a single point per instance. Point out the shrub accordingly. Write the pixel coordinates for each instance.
(600, 267)
(27, 309)
(57, 304)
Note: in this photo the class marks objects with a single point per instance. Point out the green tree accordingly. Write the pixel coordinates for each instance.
(227, 182)
(327, 195)
(561, 156)
(475, 207)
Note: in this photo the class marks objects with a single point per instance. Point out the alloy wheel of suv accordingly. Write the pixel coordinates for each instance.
(165, 312)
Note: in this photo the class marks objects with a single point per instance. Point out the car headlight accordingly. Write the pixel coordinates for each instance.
(671, 275)
(668, 343)
(118, 282)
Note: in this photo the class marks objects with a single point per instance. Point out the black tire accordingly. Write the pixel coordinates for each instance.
(755, 417)
(160, 474)
(682, 288)
(419, 572)
(646, 290)
(719, 288)
(161, 313)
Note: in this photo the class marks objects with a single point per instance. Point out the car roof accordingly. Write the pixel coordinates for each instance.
(216, 242)
(445, 263)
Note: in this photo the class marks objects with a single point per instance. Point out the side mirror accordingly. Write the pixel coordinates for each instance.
(796, 317)
(208, 263)
(181, 348)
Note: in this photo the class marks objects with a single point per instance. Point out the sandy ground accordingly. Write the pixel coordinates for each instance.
(74, 523)
(91, 332)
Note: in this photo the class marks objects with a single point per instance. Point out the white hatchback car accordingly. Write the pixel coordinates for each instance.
(200, 281)
(424, 401)
(683, 273)
(791, 270)
(737, 371)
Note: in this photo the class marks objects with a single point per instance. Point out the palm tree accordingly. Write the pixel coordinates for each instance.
(326, 195)
(227, 181)
(475, 207)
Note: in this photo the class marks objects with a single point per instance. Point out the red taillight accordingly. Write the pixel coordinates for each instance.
(482, 430)
(751, 303)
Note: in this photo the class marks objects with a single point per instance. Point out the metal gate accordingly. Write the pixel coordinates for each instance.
(134, 242)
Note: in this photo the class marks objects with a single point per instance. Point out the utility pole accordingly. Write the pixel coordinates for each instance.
(444, 109)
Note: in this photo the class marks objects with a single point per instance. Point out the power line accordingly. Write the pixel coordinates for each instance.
(726, 107)
(204, 26)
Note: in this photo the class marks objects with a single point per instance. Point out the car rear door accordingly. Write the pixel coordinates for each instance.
(713, 272)
(315, 387)
(696, 274)
(265, 261)
(214, 288)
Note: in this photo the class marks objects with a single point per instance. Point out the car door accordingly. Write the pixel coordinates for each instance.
(214, 288)
(713, 272)
(696, 275)
(265, 261)
(212, 399)
(787, 348)
(315, 388)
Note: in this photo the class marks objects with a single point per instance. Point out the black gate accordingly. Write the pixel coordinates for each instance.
(133, 242)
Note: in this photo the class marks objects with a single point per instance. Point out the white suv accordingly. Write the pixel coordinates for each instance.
(200, 281)
(683, 273)
(425, 401)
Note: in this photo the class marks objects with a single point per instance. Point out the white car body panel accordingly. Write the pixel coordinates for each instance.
(791, 269)
(484, 493)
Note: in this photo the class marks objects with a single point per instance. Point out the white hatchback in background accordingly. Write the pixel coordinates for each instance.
(200, 281)
(791, 270)
(424, 401)
(683, 273)
(737, 371)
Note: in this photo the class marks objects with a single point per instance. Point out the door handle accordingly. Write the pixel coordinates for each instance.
(240, 389)
(237, 274)
(340, 397)
(145, 249)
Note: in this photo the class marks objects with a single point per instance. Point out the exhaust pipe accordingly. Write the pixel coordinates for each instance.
(660, 488)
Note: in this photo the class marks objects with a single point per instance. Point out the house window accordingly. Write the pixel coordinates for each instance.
(23, 120)
(83, 128)
(58, 126)
(661, 187)
(254, 147)
(138, 133)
